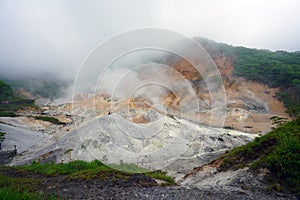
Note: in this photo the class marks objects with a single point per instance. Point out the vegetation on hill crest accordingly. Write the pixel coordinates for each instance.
(276, 69)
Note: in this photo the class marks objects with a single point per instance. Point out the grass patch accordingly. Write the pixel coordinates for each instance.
(52, 120)
(23, 184)
(89, 170)
(160, 175)
(63, 168)
(30, 188)
(7, 114)
(9, 193)
(20, 188)
(278, 151)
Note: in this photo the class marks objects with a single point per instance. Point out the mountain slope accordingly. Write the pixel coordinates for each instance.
(276, 69)
(259, 84)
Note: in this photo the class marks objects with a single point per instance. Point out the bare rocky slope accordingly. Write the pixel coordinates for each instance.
(250, 104)
(131, 130)
(177, 147)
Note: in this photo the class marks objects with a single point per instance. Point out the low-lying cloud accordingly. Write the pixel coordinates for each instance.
(53, 37)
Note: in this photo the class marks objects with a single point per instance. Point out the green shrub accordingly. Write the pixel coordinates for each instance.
(20, 188)
(53, 120)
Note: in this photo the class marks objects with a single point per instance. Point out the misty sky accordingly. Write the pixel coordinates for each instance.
(56, 35)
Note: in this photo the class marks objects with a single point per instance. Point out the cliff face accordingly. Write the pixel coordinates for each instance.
(250, 104)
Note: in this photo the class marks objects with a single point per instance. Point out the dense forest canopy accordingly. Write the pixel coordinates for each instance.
(276, 69)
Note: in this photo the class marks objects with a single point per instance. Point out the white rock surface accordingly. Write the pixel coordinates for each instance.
(24, 139)
(174, 145)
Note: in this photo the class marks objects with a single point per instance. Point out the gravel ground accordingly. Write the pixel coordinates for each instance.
(165, 193)
(137, 186)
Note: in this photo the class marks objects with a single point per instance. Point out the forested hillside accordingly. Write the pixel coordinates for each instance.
(40, 86)
(276, 69)
(11, 102)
